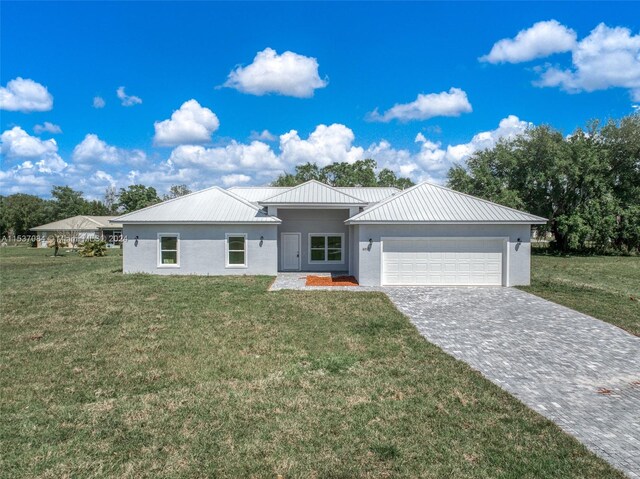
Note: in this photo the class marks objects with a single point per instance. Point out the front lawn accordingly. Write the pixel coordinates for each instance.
(605, 287)
(144, 376)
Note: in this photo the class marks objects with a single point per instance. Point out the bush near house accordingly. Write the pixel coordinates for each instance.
(93, 248)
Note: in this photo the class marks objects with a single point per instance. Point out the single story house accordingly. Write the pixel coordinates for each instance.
(77, 229)
(424, 235)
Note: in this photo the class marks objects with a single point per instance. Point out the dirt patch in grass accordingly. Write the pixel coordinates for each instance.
(331, 281)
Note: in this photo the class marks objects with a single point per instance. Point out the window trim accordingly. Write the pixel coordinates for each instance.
(159, 258)
(227, 251)
(326, 248)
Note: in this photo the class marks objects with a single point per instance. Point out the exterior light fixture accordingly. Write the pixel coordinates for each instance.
(261, 241)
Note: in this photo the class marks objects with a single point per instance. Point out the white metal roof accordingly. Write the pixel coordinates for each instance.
(79, 223)
(313, 193)
(369, 194)
(213, 205)
(428, 203)
(257, 193)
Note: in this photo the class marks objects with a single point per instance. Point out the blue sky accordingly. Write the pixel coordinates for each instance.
(324, 81)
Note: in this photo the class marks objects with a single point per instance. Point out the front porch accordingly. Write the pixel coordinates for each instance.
(297, 280)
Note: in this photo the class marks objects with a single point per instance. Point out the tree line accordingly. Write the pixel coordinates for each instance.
(587, 184)
(21, 212)
(359, 173)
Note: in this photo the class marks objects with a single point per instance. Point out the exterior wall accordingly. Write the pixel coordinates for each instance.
(201, 249)
(516, 267)
(305, 221)
(354, 245)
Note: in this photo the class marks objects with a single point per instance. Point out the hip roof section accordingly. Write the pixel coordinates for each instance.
(368, 194)
(79, 223)
(429, 203)
(212, 205)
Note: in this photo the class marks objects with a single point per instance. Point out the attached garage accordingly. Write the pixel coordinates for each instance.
(443, 261)
(429, 235)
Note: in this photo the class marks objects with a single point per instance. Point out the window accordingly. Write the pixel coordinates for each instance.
(168, 250)
(326, 248)
(236, 250)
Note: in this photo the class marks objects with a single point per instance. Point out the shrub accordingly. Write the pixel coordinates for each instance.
(93, 248)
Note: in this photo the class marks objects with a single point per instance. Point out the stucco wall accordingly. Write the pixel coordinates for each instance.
(314, 221)
(519, 261)
(202, 249)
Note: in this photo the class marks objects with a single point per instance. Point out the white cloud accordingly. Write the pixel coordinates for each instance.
(93, 151)
(47, 127)
(96, 164)
(433, 161)
(98, 101)
(265, 135)
(25, 95)
(235, 179)
(39, 156)
(235, 156)
(607, 57)
(17, 143)
(288, 74)
(126, 100)
(540, 40)
(451, 103)
(190, 124)
(325, 145)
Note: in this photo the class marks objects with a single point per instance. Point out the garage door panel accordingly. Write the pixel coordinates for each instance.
(442, 262)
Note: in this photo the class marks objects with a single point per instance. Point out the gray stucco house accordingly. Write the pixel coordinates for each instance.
(425, 235)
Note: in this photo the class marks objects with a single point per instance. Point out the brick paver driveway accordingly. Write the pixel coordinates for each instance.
(581, 373)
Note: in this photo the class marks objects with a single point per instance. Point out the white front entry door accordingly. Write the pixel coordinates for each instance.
(290, 244)
(459, 261)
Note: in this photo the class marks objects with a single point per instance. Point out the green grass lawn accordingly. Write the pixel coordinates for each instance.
(605, 287)
(146, 376)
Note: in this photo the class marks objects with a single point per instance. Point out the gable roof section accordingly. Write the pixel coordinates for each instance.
(313, 193)
(257, 193)
(428, 203)
(78, 223)
(212, 205)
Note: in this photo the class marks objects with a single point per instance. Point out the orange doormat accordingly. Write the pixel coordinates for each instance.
(331, 281)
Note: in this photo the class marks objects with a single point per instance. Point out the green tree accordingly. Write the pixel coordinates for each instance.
(359, 173)
(586, 184)
(176, 191)
(136, 197)
(21, 212)
(68, 202)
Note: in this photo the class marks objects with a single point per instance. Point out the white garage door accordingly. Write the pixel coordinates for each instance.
(464, 261)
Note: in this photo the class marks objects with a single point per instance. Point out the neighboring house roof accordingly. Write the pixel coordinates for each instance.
(257, 193)
(428, 203)
(79, 223)
(213, 205)
(313, 193)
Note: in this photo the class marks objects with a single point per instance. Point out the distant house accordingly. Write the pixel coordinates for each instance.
(77, 229)
(425, 235)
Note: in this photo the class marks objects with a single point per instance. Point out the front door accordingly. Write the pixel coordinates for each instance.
(290, 243)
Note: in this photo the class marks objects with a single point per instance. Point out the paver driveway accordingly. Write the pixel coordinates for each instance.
(581, 373)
